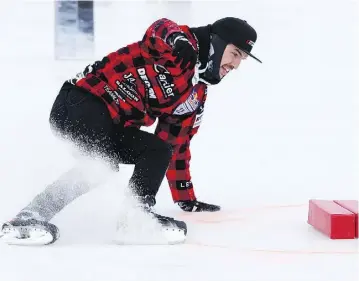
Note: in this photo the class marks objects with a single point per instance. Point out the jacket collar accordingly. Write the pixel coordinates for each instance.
(202, 35)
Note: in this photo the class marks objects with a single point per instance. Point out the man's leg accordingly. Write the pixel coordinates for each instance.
(83, 119)
(57, 195)
(148, 153)
(151, 157)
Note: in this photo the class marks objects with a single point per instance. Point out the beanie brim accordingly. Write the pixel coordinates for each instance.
(249, 54)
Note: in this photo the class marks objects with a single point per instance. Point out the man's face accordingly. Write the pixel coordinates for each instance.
(231, 59)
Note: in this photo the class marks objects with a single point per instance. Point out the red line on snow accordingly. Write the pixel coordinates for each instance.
(269, 251)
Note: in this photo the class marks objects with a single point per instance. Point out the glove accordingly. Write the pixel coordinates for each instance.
(184, 52)
(197, 206)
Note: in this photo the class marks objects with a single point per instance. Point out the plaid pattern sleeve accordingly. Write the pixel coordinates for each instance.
(179, 134)
(178, 173)
(156, 37)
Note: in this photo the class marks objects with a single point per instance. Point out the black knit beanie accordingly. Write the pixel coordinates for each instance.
(237, 32)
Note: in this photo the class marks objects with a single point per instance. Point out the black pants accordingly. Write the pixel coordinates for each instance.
(85, 119)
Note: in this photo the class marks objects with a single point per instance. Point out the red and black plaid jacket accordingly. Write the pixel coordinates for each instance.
(140, 83)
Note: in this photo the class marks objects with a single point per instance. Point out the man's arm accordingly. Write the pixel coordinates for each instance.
(179, 134)
(165, 39)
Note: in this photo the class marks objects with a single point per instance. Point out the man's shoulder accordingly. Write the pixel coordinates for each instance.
(190, 35)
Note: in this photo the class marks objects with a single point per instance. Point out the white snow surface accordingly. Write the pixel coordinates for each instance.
(274, 135)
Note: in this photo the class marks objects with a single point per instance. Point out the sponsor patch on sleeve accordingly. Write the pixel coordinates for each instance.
(189, 106)
(198, 120)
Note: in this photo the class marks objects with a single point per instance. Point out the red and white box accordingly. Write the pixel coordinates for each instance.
(334, 220)
(352, 206)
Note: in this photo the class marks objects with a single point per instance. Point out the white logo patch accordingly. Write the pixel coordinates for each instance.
(189, 106)
(198, 120)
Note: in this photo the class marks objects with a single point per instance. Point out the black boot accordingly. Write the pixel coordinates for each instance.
(197, 206)
(29, 232)
(147, 204)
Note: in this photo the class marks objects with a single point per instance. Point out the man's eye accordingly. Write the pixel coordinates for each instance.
(235, 54)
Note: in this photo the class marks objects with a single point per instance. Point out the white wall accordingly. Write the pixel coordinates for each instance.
(283, 131)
